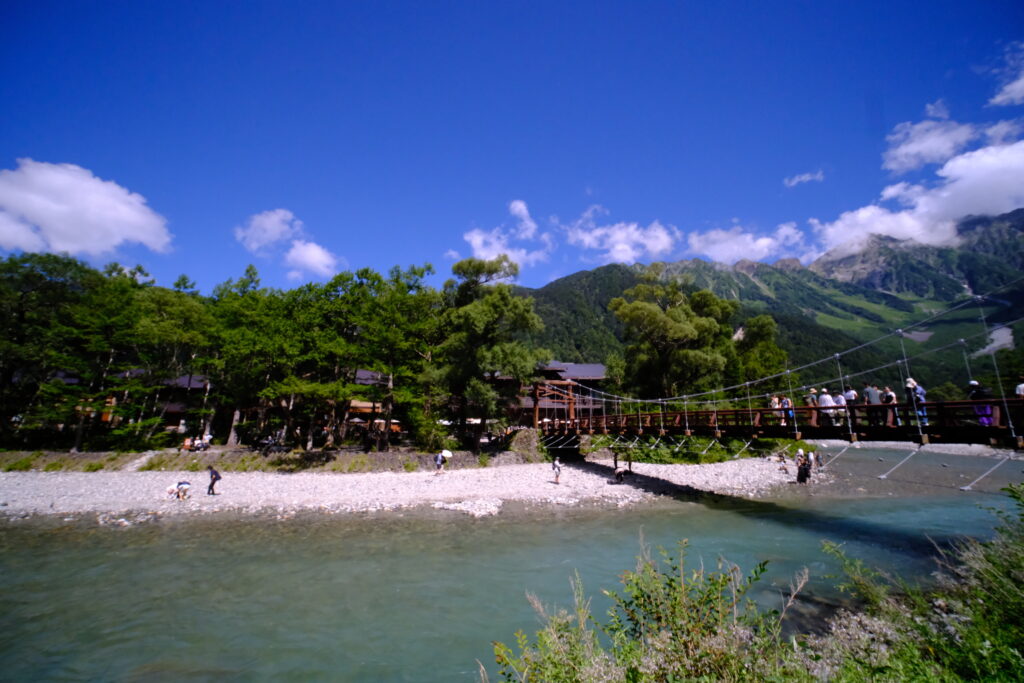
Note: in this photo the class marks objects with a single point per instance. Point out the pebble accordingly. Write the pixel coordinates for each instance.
(129, 498)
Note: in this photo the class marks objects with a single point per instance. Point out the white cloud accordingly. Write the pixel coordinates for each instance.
(489, 244)
(65, 208)
(793, 181)
(1012, 91)
(736, 243)
(16, 234)
(264, 229)
(986, 181)
(937, 109)
(621, 242)
(310, 257)
(1003, 132)
(452, 254)
(912, 145)
(527, 227)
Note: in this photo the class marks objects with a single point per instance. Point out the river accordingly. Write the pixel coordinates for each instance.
(419, 596)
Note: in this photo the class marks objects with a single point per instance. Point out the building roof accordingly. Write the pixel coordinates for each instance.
(576, 371)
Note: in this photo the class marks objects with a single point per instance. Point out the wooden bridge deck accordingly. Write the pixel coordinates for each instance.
(967, 422)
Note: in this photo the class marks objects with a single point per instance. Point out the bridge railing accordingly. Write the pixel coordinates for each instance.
(858, 418)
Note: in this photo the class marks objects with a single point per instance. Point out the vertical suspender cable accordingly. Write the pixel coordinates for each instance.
(967, 362)
(999, 379)
(849, 413)
(750, 410)
(918, 410)
(792, 401)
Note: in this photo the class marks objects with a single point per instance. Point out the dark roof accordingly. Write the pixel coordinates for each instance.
(369, 377)
(576, 371)
(188, 382)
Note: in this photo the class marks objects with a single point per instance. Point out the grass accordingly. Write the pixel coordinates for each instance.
(20, 465)
(58, 461)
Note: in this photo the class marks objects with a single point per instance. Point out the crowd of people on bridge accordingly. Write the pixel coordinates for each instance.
(882, 404)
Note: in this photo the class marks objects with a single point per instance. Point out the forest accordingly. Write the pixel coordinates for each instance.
(102, 360)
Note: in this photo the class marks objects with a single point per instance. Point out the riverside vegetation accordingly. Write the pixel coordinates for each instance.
(671, 623)
(93, 361)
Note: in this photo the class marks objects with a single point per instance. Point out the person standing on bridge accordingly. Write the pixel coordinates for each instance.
(787, 409)
(916, 398)
(977, 392)
(840, 400)
(872, 398)
(811, 397)
(825, 401)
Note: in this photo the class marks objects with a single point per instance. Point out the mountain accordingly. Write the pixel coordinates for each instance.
(836, 303)
(990, 252)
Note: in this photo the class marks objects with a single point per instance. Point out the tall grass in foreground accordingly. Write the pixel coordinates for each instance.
(673, 624)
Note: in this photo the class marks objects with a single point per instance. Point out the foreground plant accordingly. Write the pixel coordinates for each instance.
(666, 624)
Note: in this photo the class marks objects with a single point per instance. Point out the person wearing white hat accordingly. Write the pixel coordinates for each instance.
(440, 459)
(916, 396)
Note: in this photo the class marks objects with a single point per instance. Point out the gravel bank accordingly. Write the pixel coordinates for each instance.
(125, 497)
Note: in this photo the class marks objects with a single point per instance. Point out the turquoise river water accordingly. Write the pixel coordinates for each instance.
(419, 596)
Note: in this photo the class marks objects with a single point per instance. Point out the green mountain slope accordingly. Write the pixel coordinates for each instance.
(833, 305)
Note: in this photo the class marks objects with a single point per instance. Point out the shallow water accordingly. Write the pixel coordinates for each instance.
(421, 596)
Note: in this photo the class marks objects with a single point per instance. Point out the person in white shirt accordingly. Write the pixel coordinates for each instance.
(825, 401)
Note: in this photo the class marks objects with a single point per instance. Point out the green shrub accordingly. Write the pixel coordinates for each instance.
(54, 466)
(157, 463)
(194, 466)
(21, 465)
(358, 464)
(410, 465)
(483, 460)
(668, 624)
(94, 466)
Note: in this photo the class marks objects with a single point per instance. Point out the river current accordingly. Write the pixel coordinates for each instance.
(419, 596)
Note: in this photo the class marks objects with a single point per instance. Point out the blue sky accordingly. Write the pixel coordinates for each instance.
(307, 138)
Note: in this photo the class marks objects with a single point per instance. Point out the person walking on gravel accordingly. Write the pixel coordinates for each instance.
(440, 459)
(557, 467)
(214, 478)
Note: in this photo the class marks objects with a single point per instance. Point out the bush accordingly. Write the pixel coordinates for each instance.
(410, 465)
(667, 624)
(21, 465)
(54, 466)
(92, 466)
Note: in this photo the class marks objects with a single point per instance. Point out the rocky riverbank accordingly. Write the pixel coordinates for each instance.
(126, 497)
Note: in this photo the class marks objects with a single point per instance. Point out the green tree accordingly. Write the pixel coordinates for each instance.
(677, 341)
(485, 361)
(39, 294)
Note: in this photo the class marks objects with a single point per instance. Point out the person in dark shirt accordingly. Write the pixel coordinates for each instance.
(214, 478)
(977, 392)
